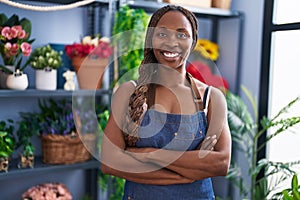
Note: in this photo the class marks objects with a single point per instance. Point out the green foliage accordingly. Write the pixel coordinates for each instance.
(28, 127)
(7, 139)
(245, 135)
(45, 57)
(292, 193)
(129, 35)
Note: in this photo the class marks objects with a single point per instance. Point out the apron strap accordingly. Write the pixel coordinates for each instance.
(197, 97)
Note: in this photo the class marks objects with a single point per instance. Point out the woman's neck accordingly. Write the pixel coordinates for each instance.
(170, 77)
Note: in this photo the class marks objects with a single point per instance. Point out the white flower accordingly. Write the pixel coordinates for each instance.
(105, 39)
(87, 40)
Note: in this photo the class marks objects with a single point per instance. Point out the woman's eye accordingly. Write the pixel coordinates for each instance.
(162, 34)
(182, 35)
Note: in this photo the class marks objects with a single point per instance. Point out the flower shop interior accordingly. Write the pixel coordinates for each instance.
(249, 49)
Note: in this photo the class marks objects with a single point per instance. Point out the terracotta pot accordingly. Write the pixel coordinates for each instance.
(223, 4)
(89, 71)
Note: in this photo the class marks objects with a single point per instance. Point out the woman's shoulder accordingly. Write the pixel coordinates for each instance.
(216, 92)
(128, 87)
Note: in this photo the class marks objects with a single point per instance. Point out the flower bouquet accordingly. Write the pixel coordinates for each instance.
(90, 58)
(14, 43)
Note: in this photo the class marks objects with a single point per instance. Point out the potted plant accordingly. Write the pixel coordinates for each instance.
(7, 143)
(14, 43)
(245, 135)
(28, 127)
(45, 60)
(90, 58)
(61, 143)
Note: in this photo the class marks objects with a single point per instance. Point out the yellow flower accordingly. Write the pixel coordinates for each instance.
(207, 49)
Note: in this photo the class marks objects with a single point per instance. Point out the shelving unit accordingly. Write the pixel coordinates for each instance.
(81, 178)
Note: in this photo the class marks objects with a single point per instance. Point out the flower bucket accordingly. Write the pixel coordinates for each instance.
(17, 81)
(46, 79)
(65, 149)
(89, 71)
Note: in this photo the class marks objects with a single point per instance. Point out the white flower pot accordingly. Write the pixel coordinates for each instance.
(46, 79)
(17, 81)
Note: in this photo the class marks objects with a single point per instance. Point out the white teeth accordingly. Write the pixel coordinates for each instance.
(170, 55)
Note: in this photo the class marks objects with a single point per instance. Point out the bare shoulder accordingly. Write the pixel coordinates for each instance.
(124, 90)
(215, 93)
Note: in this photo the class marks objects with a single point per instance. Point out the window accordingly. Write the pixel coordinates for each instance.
(280, 75)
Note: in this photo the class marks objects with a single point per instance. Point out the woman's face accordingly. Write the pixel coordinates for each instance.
(172, 39)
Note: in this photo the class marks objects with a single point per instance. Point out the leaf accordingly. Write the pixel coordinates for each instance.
(295, 182)
(3, 19)
(26, 25)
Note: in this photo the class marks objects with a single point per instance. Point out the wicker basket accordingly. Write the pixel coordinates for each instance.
(60, 149)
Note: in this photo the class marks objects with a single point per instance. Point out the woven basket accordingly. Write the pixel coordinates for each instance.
(60, 149)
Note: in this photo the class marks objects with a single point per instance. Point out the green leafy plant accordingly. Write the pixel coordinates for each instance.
(7, 139)
(129, 35)
(45, 57)
(292, 193)
(245, 135)
(28, 127)
(113, 184)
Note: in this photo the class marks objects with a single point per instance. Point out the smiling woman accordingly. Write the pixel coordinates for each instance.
(167, 133)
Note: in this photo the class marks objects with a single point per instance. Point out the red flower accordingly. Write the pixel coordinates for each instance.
(203, 73)
(101, 49)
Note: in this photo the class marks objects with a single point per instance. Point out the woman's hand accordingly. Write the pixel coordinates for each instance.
(208, 143)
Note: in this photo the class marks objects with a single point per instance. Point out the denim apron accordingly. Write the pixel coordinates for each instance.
(173, 132)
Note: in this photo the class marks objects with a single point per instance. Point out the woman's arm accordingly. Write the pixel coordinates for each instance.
(114, 159)
(198, 164)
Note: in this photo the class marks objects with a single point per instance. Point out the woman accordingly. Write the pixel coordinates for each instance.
(167, 134)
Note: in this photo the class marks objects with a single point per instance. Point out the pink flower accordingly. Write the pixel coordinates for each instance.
(8, 33)
(26, 48)
(14, 49)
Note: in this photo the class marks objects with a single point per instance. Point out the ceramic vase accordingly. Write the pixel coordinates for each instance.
(3, 76)
(46, 79)
(17, 81)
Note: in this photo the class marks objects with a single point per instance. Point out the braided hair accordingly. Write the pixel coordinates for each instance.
(140, 98)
